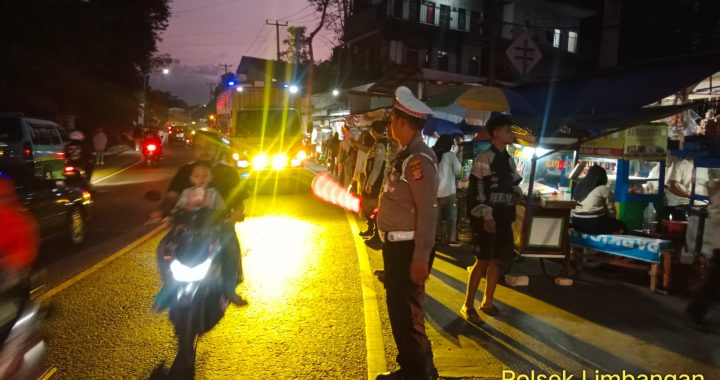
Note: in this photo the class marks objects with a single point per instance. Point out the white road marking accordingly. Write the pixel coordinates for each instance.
(117, 172)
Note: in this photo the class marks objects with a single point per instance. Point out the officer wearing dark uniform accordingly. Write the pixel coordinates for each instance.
(493, 188)
(407, 219)
(374, 174)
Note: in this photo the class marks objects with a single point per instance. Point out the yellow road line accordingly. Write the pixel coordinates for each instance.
(373, 328)
(117, 172)
(52, 292)
(48, 374)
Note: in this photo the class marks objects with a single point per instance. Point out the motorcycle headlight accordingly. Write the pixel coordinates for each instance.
(243, 164)
(183, 273)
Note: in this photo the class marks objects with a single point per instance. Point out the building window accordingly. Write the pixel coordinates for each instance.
(461, 19)
(572, 42)
(398, 8)
(474, 21)
(426, 63)
(414, 10)
(556, 38)
(444, 16)
(430, 13)
(443, 61)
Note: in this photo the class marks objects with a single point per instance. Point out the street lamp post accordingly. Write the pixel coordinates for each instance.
(146, 82)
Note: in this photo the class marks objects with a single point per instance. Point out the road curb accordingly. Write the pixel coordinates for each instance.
(80, 276)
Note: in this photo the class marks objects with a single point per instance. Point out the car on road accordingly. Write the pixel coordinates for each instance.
(61, 211)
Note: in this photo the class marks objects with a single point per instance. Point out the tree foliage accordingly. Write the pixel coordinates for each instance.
(297, 45)
(85, 58)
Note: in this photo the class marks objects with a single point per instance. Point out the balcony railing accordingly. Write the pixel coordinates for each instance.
(413, 10)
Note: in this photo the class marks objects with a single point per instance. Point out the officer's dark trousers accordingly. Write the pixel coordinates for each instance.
(406, 302)
(708, 293)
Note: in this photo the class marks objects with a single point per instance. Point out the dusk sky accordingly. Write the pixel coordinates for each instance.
(206, 33)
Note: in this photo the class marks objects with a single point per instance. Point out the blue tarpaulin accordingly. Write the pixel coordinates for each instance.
(444, 127)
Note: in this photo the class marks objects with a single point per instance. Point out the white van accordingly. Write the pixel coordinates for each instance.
(36, 141)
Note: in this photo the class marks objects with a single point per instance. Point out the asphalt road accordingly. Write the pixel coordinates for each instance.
(305, 318)
(119, 213)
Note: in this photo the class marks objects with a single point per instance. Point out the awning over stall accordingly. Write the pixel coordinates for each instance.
(625, 88)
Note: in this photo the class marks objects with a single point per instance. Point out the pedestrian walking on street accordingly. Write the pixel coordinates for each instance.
(448, 171)
(374, 174)
(100, 144)
(407, 218)
(493, 188)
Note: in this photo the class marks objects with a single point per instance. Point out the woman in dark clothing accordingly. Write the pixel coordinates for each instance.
(595, 211)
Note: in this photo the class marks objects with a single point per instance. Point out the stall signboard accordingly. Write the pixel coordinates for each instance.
(646, 141)
(607, 146)
(643, 141)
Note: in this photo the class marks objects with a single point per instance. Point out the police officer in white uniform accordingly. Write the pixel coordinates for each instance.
(407, 219)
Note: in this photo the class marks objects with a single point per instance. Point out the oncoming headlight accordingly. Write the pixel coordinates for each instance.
(183, 273)
(236, 156)
(260, 161)
(243, 164)
(279, 161)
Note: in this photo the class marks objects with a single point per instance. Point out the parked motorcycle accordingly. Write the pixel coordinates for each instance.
(190, 262)
(22, 348)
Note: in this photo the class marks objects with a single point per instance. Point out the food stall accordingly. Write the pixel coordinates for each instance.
(543, 213)
(635, 163)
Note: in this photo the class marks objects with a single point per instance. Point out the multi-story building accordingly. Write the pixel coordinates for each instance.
(457, 36)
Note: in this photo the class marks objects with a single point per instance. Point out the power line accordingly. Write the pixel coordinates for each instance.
(303, 16)
(215, 44)
(208, 33)
(202, 7)
(249, 49)
(298, 12)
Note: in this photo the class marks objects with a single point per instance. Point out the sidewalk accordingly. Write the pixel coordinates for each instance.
(607, 321)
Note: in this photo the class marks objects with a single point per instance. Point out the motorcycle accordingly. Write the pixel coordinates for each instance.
(75, 176)
(190, 262)
(152, 151)
(22, 348)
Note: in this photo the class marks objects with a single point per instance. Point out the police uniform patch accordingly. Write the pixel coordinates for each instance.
(416, 170)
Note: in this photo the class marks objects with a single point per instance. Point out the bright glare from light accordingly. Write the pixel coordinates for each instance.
(166, 71)
(279, 161)
(260, 161)
(235, 156)
(527, 153)
(280, 251)
(239, 89)
(335, 92)
(301, 155)
(242, 164)
(293, 89)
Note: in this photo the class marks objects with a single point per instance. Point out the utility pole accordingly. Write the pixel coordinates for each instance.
(277, 34)
(225, 65)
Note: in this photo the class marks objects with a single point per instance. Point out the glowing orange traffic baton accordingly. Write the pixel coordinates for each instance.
(328, 189)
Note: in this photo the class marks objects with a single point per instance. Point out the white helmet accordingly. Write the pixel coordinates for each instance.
(77, 135)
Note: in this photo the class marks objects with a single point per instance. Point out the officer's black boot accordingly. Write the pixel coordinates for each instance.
(374, 242)
(394, 375)
(370, 228)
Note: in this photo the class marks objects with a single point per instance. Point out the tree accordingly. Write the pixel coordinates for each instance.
(88, 59)
(297, 45)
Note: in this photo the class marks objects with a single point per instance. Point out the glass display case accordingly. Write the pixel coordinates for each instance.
(551, 171)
